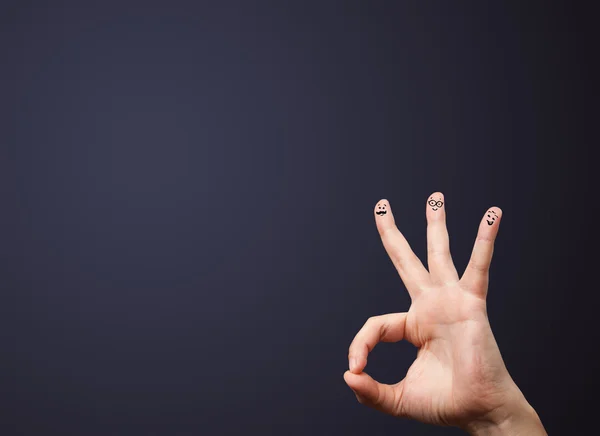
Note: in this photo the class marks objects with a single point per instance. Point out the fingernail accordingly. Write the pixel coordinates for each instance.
(352, 363)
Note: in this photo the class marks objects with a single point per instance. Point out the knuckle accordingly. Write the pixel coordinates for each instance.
(379, 398)
(371, 321)
(437, 249)
(374, 323)
(486, 239)
(383, 330)
(437, 252)
(479, 267)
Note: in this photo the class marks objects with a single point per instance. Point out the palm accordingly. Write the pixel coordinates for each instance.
(458, 372)
(449, 373)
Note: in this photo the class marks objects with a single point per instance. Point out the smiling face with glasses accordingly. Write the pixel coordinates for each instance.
(435, 204)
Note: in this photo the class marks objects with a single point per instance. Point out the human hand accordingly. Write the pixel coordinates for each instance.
(458, 377)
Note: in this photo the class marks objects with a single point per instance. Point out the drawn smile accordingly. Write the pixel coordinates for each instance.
(381, 212)
(492, 217)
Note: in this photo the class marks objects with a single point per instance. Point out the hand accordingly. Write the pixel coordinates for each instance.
(458, 377)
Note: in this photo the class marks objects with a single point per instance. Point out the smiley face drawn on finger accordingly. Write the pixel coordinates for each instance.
(381, 209)
(491, 217)
(435, 204)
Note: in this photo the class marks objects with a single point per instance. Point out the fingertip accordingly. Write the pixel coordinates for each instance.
(351, 383)
(382, 207)
(354, 381)
(383, 215)
(364, 387)
(349, 378)
(435, 204)
(492, 216)
(346, 373)
(356, 365)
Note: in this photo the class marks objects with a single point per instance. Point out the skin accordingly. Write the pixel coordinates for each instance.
(459, 377)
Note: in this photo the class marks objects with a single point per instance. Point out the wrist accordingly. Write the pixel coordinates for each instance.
(514, 418)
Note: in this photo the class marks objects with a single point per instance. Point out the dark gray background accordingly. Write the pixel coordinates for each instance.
(188, 244)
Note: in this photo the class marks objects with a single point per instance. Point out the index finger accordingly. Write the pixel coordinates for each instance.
(382, 328)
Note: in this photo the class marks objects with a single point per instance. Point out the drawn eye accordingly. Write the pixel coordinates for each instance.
(432, 203)
(439, 204)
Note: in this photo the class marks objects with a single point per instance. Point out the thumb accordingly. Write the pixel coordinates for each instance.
(383, 397)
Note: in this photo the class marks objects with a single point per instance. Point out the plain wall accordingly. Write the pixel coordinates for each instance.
(188, 244)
